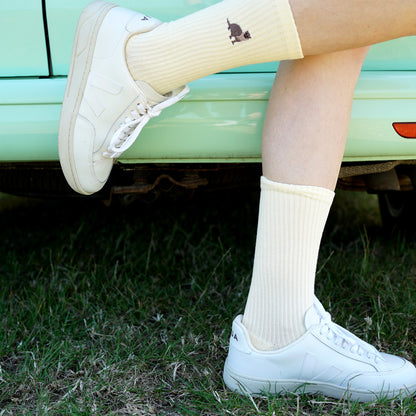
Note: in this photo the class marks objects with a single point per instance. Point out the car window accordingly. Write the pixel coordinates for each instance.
(62, 16)
(22, 39)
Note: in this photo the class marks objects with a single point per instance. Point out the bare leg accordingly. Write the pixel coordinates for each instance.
(329, 26)
(308, 117)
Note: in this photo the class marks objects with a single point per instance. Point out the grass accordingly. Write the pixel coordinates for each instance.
(127, 310)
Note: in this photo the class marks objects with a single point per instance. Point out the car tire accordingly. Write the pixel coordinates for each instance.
(398, 211)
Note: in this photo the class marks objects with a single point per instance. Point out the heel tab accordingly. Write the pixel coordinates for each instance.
(239, 337)
(141, 23)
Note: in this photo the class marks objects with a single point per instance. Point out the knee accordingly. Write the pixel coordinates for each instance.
(350, 62)
(357, 56)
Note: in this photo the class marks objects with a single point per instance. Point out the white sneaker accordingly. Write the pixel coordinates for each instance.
(327, 359)
(104, 109)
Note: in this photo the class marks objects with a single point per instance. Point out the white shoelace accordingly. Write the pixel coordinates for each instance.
(130, 129)
(344, 339)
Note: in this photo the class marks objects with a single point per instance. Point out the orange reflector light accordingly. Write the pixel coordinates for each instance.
(406, 130)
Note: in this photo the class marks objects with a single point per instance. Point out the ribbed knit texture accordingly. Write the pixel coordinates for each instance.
(290, 227)
(199, 44)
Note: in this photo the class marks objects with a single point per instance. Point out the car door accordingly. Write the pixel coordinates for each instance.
(28, 109)
(22, 41)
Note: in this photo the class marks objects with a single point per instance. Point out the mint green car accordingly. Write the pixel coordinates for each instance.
(211, 138)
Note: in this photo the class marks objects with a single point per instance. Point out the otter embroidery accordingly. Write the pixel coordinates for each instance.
(237, 33)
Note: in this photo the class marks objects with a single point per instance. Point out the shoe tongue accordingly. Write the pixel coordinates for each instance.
(151, 95)
(314, 314)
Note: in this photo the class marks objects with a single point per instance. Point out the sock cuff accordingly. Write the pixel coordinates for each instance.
(289, 29)
(309, 191)
(291, 221)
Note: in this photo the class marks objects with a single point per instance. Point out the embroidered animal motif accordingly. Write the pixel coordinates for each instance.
(237, 34)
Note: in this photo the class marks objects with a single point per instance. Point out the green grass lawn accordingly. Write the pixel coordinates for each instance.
(127, 310)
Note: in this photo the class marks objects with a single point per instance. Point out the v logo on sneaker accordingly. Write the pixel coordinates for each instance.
(313, 370)
(103, 84)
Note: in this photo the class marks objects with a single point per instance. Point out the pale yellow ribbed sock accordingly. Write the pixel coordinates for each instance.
(291, 222)
(199, 44)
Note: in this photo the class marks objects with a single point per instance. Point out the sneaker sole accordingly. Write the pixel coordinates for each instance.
(81, 60)
(249, 386)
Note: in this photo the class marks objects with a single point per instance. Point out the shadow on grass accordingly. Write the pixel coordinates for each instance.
(127, 309)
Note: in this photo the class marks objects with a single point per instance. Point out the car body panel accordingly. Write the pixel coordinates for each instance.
(22, 41)
(29, 117)
(220, 120)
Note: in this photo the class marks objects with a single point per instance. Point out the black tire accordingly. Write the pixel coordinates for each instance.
(35, 180)
(398, 211)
